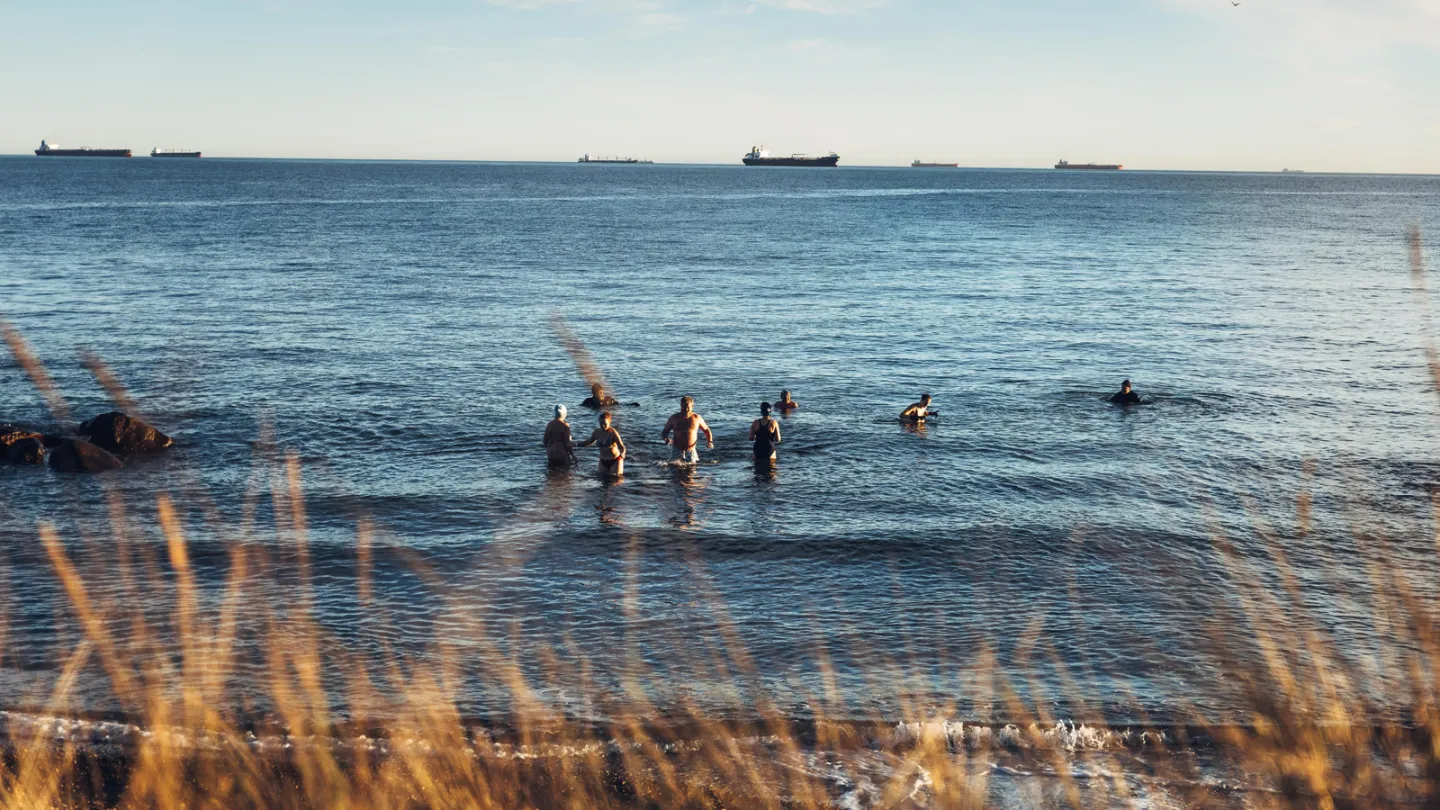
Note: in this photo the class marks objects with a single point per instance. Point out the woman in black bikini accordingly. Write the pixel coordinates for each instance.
(612, 448)
(765, 433)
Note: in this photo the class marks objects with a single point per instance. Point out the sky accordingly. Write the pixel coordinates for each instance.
(1320, 85)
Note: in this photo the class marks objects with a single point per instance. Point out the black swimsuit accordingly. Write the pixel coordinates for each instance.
(765, 440)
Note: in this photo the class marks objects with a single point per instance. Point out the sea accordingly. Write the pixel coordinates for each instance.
(404, 330)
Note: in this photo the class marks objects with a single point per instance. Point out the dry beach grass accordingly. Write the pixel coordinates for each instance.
(331, 727)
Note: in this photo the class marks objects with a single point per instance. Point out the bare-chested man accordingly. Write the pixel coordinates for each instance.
(686, 425)
(559, 446)
(918, 410)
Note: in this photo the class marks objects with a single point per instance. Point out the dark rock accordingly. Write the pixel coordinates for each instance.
(51, 440)
(29, 450)
(118, 433)
(77, 455)
(11, 436)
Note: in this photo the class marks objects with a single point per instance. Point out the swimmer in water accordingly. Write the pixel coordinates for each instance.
(686, 425)
(559, 445)
(765, 433)
(1126, 396)
(612, 448)
(786, 404)
(598, 398)
(918, 411)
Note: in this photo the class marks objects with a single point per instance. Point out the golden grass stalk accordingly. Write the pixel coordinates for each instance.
(25, 356)
(575, 347)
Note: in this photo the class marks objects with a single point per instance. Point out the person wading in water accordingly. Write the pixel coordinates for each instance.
(686, 425)
(612, 448)
(598, 398)
(1127, 395)
(765, 433)
(559, 445)
(917, 412)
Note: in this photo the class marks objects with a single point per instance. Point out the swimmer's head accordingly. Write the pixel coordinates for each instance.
(1125, 387)
(605, 419)
(784, 396)
(764, 409)
(560, 412)
(925, 399)
(597, 390)
(687, 404)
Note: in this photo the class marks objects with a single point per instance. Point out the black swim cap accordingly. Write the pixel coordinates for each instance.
(765, 408)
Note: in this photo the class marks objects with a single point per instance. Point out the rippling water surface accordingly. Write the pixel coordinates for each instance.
(391, 320)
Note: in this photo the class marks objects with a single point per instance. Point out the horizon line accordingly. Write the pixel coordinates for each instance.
(638, 166)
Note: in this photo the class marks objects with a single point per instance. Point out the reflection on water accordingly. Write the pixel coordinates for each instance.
(690, 485)
(920, 428)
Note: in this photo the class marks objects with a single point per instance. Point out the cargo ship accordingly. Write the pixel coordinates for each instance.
(48, 149)
(759, 156)
(585, 158)
(1102, 167)
(920, 164)
(158, 152)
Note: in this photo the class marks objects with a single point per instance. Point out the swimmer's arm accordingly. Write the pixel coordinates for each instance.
(777, 430)
(753, 425)
(665, 434)
(709, 437)
(593, 438)
(620, 443)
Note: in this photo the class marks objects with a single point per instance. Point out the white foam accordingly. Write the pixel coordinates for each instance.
(1063, 735)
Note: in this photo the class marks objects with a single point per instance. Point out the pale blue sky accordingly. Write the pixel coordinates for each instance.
(1347, 85)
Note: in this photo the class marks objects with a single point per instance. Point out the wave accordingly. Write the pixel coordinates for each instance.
(860, 765)
(958, 735)
(501, 740)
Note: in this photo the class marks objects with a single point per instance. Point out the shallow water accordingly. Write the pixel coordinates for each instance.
(391, 320)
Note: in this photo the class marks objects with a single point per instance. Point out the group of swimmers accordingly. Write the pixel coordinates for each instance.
(682, 432)
(683, 429)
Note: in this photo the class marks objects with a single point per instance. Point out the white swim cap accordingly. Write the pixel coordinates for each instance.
(559, 411)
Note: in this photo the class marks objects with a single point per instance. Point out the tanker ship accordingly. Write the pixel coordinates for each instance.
(54, 150)
(585, 158)
(158, 152)
(920, 164)
(1103, 167)
(759, 156)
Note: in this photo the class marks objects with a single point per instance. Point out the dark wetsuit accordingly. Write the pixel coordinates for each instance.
(1125, 398)
(607, 402)
(766, 437)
